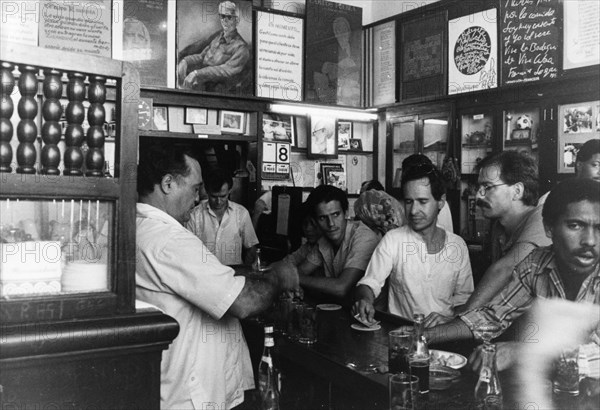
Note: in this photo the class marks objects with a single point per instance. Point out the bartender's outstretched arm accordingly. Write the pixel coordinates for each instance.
(257, 294)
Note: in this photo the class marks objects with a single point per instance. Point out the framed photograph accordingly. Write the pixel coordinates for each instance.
(279, 127)
(326, 169)
(333, 53)
(520, 134)
(322, 141)
(200, 27)
(160, 118)
(577, 124)
(344, 134)
(355, 144)
(195, 115)
(233, 122)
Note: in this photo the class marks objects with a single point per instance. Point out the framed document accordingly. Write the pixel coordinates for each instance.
(279, 62)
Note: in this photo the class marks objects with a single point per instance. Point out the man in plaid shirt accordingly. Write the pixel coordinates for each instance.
(568, 269)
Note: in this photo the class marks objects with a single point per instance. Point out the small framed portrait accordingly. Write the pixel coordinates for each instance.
(344, 134)
(355, 144)
(322, 141)
(232, 122)
(160, 118)
(194, 115)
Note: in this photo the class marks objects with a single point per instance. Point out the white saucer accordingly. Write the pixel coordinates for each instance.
(329, 306)
(364, 328)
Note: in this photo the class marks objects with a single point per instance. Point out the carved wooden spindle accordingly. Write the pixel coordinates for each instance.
(75, 114)
(51, 130)
(27, 128)
(7, 108)
(95, 135)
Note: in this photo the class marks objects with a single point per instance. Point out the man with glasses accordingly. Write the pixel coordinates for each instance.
(428, 266)
(221, 62)
(508, 195)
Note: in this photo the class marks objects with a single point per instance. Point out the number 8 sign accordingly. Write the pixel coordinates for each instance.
(283, 153)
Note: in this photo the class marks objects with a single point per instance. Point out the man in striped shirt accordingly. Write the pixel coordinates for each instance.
(568, 269)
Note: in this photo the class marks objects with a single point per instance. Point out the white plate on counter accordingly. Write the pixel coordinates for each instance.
(453, 360)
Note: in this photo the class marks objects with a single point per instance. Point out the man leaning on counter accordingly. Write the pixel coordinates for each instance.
(208, 365)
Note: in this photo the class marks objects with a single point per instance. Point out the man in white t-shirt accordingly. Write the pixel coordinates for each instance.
(428, 266)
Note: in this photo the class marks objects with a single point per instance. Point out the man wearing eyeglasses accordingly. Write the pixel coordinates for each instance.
(221, 62)
(508, 195)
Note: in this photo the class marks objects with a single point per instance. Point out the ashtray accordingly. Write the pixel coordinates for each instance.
(441, 377)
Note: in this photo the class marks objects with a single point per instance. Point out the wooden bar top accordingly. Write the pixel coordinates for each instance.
(348, 359)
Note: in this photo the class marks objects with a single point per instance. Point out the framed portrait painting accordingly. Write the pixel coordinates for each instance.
(322, 141)
(214, 46)
(160, 118)
(333, 53)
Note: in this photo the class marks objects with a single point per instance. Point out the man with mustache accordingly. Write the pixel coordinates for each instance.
(345, 247)
(568, 269)
(508, 195)
(208, 364)
(428, 266)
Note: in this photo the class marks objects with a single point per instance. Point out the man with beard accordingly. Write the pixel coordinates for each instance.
(507, 194)
(568, 269)
(429, 266)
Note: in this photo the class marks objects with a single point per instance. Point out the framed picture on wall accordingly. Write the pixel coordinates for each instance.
(344, 131)
(232, 122)
(322, 141)
(279, 127)
(355, 144)
(333, 53)
(577, 123)
(201, 25)
(194, 115)
(160, 118)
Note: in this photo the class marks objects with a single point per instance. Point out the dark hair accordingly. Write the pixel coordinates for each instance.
(415, 160)
(327, 193)
(159, 160)
(216, 178)
(429, 171)
(515, 167)
(567, 192)
(372, 184)
(588, 149)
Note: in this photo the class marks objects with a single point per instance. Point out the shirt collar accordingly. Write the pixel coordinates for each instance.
(207, 208)
(229, 36)
(148, 211)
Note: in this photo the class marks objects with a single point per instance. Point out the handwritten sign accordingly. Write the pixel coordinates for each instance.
(279, 56)
(384, 63)
(80, 27)
(530, 40)
(472, 52)
(581, 34)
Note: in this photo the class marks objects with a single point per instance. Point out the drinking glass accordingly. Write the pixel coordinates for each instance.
(419, 366)
(400, 342)
(308, 324)
(404, 391)
(486, 331)
(566, 373)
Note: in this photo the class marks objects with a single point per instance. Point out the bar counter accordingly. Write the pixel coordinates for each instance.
(342, 363)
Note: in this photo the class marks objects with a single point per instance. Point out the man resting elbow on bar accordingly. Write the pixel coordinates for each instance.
(343, 250)
(568, 269)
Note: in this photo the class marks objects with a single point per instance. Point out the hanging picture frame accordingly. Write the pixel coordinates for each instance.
(232, 122)
(322, 141)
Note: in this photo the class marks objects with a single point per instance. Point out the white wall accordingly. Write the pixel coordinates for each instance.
(374, 10)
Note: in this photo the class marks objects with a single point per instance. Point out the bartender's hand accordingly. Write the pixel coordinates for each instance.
(506, 356)
(285, 275)
(365, 310)
(434, 319)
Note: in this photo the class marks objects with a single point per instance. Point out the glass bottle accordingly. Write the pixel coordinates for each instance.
(488, 392)
(419, 356)
(268, 380)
